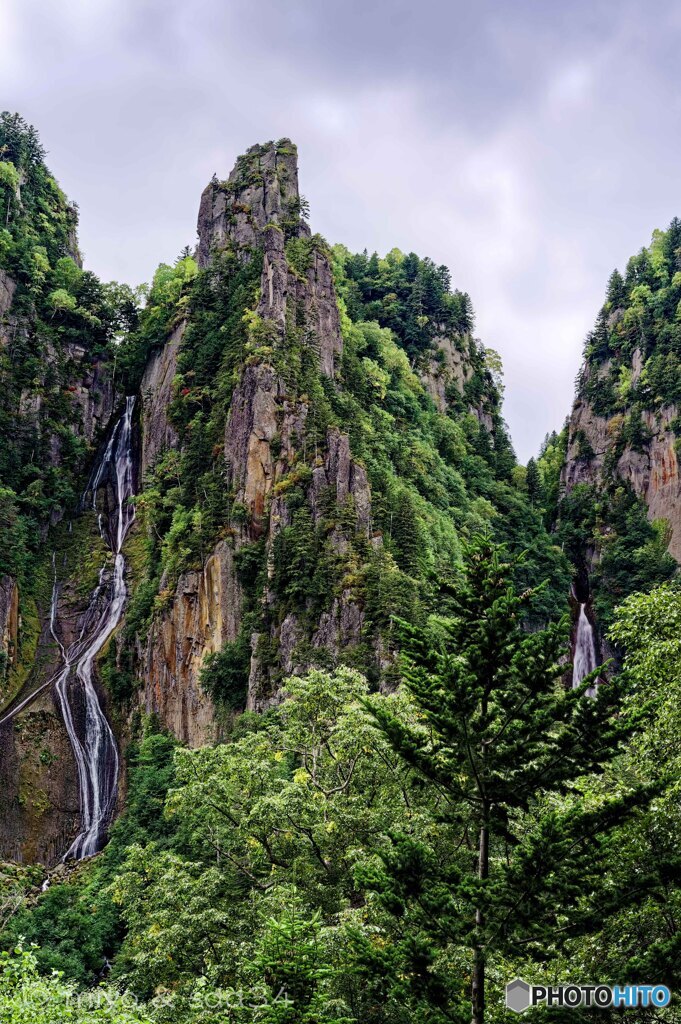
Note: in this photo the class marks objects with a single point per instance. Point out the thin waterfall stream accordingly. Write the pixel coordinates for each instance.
(96, 751)
(585, 660)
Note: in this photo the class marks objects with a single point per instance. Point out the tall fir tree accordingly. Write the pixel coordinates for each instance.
(502, 747)
(534, 483)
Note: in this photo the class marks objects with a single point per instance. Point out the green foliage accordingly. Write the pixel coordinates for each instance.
(13, 529)
(640, 312)
(434, 477)
(40, 222)
(503, 749)
(151, 775)
(64, 327)
(299, 253)
(411, 296)
(322, 870)
(550, 464)
(299, 567)
(224, 675)
(256, 895)
(75, 923)
(186, 506)
(645, 852)
(9, 177)
(74, 928)
(299, 867)
(425, 469)
(533, 482)
(632, 551)
(27, 997)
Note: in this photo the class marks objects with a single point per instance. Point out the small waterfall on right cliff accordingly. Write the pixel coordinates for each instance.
(585, 660)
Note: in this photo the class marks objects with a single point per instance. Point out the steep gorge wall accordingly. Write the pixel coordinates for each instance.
(9, 623)
(202, 616)
(264, 433)
(621, 512)
(595, 453)
(67, 405)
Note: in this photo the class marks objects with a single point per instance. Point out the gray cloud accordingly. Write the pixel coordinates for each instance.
(530, 147)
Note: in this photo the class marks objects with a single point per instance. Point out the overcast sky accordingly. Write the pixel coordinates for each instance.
(531, 146)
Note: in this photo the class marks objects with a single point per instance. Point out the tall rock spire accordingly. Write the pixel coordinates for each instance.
(262, 190)
(259, 208)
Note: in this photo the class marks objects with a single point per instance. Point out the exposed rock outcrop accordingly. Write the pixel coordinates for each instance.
(255, 415)
(9, 624)
(7, 290)
(39, 802)
(652, 469)
(39, 807)
(94, 394)
(259, 206)
(156, 390)
(90, 387)
(202, 615)
(262, 190)
(446, 368)
(339, 627)
(345, 477)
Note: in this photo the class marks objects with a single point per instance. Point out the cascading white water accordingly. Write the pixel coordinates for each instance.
(96, 753)
(585, 660)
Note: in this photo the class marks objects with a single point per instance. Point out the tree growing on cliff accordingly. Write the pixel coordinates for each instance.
(534, 484)
(503, 748)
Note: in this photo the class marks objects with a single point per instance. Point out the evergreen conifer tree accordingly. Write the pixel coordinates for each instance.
(502, 747)
(533, 480)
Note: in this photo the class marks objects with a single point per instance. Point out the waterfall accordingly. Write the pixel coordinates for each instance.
(585, 660)
(96, 754)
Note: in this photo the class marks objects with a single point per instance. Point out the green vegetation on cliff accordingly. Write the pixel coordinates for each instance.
(634, 351)
(440, 475)
(632, 551)
(435, 474)
(619, 449)
(55, 338)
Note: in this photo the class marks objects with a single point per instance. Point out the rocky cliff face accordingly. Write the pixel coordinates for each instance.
(624, 423)
(257, 210)
(39, 808)
(203, 615)
(445, 368)
(156, 393)
(7, 290)
(652, 470)
(57, 398)
(621, 471)
(88, 391)
(288, 477)
(39, 800)
(9, 625)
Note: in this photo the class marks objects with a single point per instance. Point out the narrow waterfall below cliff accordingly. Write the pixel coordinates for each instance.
(585, 659)
(95, 751)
